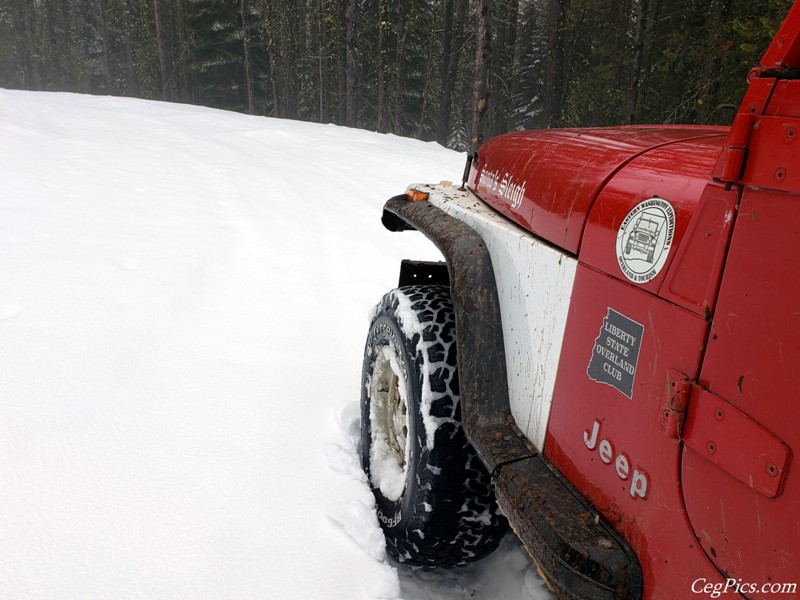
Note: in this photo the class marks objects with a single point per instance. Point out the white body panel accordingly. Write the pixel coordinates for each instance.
(534, 285)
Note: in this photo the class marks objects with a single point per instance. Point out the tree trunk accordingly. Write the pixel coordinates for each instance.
(382, 117)
(162, 51)
(321, 57)
(443, 118)
(450, 65)
(483, 57)
(399, 72)
(643, 81)
(637, 53)
(131, 78)
(504, 75)
(106, 62)
(554, 61)
(32, 78)
(343, 54)
(248, 69)
(183, 55)
(706, 109)
(350, 67)
(292, 34)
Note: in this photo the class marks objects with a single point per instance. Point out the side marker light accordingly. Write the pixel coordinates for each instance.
(416, 195)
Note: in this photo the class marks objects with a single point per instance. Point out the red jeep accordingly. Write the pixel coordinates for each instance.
(626, 307)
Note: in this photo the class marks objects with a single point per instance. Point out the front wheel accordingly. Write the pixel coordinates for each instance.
(433, 494)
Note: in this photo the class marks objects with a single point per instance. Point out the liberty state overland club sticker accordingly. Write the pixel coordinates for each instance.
(616, 352)
(645, 238)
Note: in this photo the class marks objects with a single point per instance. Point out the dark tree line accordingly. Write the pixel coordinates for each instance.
(450, 70)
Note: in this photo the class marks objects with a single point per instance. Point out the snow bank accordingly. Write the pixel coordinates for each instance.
(183, 299)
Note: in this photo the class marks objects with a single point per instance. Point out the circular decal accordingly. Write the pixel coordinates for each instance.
(644, 239)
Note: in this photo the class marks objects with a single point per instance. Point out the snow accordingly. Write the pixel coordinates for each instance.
(183, 303)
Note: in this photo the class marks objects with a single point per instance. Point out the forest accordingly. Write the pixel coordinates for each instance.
(453, 71)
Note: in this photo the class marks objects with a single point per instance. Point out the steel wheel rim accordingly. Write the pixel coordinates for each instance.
(389, 407)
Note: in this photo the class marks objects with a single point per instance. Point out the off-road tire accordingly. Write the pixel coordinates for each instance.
(446, 513)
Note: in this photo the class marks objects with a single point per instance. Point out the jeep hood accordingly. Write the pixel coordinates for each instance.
(547, 181)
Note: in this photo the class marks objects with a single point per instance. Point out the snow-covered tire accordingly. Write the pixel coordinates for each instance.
(433, 494)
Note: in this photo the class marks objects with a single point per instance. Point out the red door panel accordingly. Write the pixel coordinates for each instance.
(607, 433)
(746, 509)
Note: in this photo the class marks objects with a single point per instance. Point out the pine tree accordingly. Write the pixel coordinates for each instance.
(224, 38)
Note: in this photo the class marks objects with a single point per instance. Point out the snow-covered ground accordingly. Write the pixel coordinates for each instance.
(183, 301)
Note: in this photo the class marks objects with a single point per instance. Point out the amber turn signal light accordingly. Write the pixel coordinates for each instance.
(416, 195)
